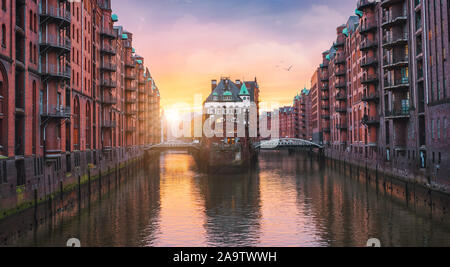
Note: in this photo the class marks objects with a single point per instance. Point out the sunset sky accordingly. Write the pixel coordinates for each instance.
(187, 43)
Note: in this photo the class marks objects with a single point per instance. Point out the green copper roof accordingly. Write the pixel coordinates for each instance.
(244, 90)
(345, 32)
(124, 36)
(114, 18)
(328, 57)
(227, 93)
(133, 50)
(139, 61)
(358, 13)
(215, 94)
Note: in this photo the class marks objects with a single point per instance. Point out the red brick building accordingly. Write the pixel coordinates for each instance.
(73, 96)
(385, 82)
(288, 119)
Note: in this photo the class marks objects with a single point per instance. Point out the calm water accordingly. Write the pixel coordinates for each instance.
(287, 200)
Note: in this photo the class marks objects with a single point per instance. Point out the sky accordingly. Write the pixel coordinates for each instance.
(188, 43)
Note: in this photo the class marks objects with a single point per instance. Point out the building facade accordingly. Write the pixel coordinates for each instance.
(385, 84)
(231, 108)
(74, 96)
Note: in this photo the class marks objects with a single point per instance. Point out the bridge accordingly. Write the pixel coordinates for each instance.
(273, 144)
(286, 143)
(175, 146)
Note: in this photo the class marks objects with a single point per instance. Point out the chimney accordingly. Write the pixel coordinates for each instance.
(213, 85)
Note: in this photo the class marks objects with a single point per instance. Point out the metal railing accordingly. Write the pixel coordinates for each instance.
(55, 70)
(109, 124)
(108, 49)
(57, 41)
(56, 111)
(54, 12)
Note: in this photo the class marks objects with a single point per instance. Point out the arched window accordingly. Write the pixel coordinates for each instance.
(4, 5)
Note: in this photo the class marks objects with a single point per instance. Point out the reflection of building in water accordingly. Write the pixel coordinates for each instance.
(232, 208)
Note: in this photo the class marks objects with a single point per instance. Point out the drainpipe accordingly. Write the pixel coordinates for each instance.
(425, 56)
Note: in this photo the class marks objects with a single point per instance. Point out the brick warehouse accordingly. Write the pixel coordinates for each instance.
(380, 96)
(74, 96)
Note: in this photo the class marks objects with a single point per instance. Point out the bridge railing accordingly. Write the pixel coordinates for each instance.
(285, 143)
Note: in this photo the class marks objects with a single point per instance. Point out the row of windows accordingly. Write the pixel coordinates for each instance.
(439, 129)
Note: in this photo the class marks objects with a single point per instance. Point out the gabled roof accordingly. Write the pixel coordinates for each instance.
(244, 90)
(233, 89)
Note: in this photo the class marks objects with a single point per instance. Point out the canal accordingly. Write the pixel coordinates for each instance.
(285, 200)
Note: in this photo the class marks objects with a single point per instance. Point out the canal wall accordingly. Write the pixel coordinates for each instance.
(74, 192)
(413, 191)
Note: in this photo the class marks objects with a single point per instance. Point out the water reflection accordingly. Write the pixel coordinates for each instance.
(287, 200)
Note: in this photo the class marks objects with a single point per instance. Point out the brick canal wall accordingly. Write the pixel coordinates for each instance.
(65, 194)
(400, 185)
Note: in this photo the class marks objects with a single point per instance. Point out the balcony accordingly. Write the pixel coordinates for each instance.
(369, 79)
(363, 4)
(109, 100)
(324, 87)
(130, 76)
(324, 78)
(341, 97)
(131, 129)
(131, 87)
(369, 61)
(55, 71)
(401, 113)
(131, 112)
(108, 67)
(326, 130)
(395, 62)
(324, 65)
(340, 85)
(56, 112)
(325, 98)
(369, 26)
(131, 101)
(106, 83)
(61, 44)
(340, 60)
(325, 117)
(108, 33)
(130, 64)
(109, 124)
(142, 90)
(340, 73)
(341, 110)
(339, 43)
(61, 16)
(107, 49)
(402, 83)
(368, 45)
(368, 97)
(371, 120)
(342, 127)
(390, 41)
(394, 20)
